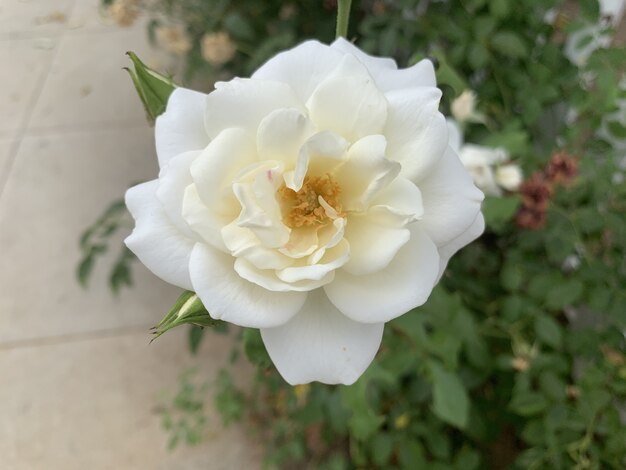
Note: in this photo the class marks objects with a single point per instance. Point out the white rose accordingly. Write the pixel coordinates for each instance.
(463, 107)
(316, 201)
(509, 176)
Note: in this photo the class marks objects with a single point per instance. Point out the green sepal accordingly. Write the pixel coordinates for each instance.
(153, 88)
(188, 310)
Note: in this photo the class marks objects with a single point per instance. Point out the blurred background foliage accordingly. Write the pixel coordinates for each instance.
(517, 360)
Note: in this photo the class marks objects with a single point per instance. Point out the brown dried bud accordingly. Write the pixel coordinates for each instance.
(520, 364)
(536, 192)
(531, 218)
(562, 168)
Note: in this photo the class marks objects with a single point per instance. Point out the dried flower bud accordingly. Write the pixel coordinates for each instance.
(536, 192)
(562, 169)
(174, 38)
(124, 12)
(532, 219)
(217, 48)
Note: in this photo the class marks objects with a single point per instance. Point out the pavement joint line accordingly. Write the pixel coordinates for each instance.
(77, 337)
(5, 172)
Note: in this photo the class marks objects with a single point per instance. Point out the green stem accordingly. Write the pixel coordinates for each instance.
(343, 18)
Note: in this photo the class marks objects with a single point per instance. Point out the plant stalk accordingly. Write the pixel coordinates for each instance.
(343, 18)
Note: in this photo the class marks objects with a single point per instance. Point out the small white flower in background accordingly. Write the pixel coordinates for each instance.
(463, 108)
(509, 176)
(578, 48)
(124, 12)
(316, 201)
(486, 165)
(217, 48)
(174, 39)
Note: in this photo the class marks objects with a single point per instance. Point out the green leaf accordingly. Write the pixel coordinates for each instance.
(499, 211)
(528, 403)
(153, 88)
(447, 75)
(564, 294)
(450, 400)
(509, 44)
(548, 331)
(196, 333)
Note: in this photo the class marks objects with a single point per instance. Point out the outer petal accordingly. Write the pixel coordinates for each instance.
(403, 285)
(302, 67)
(244, 102)
(451, 201)
(350, 105)
(455, 136)
(230, 298)
(174, 177)
(181, 127)
(417, 134)
(320, 344)
(385, 72)
(447, 251)
(156, 241)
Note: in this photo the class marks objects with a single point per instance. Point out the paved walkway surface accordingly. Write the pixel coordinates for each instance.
(80, 387)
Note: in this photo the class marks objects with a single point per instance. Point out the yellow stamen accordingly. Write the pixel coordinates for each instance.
(303, 208)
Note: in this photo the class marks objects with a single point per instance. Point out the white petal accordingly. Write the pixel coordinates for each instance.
(174, 177)
(202, 219)
(214, 170)
(455, 136)
(242, 242)
(230, 298)
(385, 71)
(373, 244)
(181, 127)
(400, 202)
(156, 241)
(472, 233)
(365, 172)
(371, 62)
(351, 106)
(319, 155)
(244, 102)
(403, 285)
(333, 258)
(451, 201)
(267, 279)
(302, 67)
(417, 134)
(281, 134)
(260, 211)
(320, 344)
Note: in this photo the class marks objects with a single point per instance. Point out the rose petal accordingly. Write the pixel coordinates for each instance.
(417, 134)
(281, 134)
(174, 177)
(214, 170)
(403, 285)
(373, 243)
(399, 203)
(321, 344)
(333, 258)
(302, 67)
(156, 241)
(230, 298)
(351, 106)
(244, 102)
(451, 201)
(455, 136)
(202, 219)
(181, 127)
(365, 172)
(385, 71)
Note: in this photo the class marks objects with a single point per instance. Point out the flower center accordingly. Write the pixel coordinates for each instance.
(304, 208)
